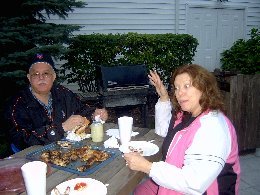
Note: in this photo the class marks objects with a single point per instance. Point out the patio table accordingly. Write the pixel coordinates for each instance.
(120, 179)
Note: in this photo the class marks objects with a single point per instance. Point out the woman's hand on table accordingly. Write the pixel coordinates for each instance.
(136, 162)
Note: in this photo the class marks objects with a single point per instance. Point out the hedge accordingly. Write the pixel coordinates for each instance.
(163, 52)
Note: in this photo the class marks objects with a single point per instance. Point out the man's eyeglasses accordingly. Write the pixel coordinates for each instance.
(38, 75)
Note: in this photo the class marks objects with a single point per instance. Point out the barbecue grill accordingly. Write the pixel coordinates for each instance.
(124, 86)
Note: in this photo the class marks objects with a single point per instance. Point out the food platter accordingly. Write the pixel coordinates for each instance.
(143, 147)
(92, 186)
(77, 165)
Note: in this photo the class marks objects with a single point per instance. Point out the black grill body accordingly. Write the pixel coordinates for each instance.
(124, 86)
(120, 77)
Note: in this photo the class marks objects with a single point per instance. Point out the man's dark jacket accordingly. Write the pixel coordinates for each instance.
(29, 123)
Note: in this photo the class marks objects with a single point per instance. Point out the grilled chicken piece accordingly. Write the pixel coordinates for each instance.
(84, 154)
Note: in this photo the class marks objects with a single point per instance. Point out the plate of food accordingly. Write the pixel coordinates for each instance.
(143, 147)
(80, 186)
(11, 179)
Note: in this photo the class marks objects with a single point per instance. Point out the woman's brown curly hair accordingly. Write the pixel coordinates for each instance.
(204, 81)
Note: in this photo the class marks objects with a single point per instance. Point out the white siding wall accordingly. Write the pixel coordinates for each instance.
(108, 16)
(149, 16)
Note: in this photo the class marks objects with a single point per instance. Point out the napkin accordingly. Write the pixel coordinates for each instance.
(98, 119)
(75, 137)
(115, 133)
(111, 143)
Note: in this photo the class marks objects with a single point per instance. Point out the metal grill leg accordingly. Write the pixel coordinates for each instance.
(144, 111)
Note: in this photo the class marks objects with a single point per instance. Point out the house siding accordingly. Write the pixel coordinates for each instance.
(108, 16)
(149, 16)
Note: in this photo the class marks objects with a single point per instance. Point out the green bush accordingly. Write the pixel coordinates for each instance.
(244, 56)
(163, 52)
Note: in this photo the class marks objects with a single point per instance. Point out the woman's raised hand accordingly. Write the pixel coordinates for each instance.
(159, 86)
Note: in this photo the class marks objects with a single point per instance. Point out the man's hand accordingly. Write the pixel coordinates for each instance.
(73, 121)
(102, 113)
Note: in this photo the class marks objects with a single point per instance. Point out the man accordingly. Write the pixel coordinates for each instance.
(44, 111)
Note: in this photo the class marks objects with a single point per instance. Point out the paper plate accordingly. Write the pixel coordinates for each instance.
(145, 148)
(93, 187)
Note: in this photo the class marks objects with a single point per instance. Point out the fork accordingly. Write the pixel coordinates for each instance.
(57, 192)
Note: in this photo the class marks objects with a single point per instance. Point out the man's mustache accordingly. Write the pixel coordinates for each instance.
(42, 82)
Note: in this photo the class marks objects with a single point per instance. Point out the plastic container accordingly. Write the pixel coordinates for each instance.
(11, 179)
(97, 132)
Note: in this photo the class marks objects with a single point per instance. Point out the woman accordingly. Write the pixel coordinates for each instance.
(200, 151)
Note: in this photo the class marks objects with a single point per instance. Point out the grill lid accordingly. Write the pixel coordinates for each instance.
(118, 77)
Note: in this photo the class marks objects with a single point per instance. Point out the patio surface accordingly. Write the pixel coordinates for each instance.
(250, 174)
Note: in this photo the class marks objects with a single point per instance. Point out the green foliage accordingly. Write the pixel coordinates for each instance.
(23, 32)
(244, 56)
(162, 52)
